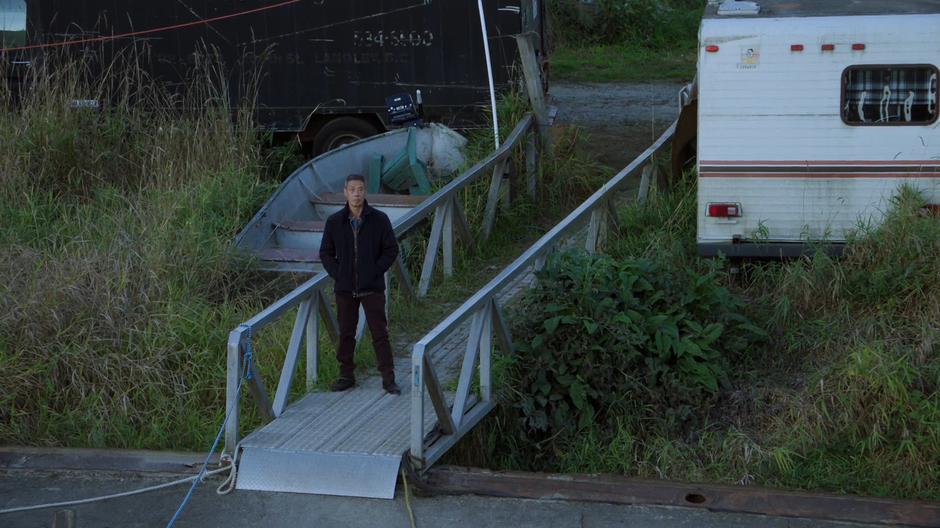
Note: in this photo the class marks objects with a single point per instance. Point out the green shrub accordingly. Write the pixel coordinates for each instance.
(654, 24)
(601, 337)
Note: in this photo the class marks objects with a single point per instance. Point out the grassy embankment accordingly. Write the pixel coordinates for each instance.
(119, 284)
(817, 373)
(625, 41)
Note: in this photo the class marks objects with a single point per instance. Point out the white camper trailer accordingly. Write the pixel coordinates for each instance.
(811, 114)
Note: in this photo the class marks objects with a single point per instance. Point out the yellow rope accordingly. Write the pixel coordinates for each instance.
(411, 513)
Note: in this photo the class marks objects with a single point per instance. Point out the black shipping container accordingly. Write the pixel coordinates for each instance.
(329, 64)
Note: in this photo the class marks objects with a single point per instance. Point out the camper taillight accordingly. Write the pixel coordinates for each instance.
(724, 210)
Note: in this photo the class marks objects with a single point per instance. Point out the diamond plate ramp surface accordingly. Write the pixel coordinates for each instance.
(345, 474)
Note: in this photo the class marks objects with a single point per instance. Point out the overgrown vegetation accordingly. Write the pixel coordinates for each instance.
(625, 40)
(120, 288)
(843, 394)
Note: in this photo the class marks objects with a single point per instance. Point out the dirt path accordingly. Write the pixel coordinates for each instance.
(621, 120)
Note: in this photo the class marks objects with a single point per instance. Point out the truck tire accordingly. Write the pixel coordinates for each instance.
(341, 131)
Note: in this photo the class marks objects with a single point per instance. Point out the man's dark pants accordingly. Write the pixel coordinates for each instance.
(373, 305)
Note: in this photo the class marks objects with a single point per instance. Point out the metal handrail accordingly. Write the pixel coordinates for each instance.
(308, 297)
(484, 303)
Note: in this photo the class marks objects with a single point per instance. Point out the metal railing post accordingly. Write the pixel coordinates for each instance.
(417, 403)
(312, 362)
(232, 379)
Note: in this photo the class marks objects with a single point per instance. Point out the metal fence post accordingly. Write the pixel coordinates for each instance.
(434, 242)
(313, 341)
(417, 403)
(232, 379)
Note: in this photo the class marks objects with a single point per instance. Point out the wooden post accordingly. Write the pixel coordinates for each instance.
(448, 238)
(531, 164)
(492, 199)
(509, 176)
(644, 190)
(533, 82)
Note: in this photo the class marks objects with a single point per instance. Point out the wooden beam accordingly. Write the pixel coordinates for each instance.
(532, 74)
(447, 236)
(509, 176)
(492, 199)
(614, 489)
(531, 165)
(644, 189)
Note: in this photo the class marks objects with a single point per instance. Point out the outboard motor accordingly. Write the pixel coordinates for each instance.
(402, 111)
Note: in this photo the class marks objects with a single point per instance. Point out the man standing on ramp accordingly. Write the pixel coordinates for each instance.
(358, 247)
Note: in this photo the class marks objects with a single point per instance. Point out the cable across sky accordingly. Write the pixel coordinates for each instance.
(150, 31)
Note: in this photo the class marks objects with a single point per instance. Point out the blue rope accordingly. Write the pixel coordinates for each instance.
(246, 374)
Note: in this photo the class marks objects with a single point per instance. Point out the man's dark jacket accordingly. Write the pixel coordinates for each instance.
(377, 250)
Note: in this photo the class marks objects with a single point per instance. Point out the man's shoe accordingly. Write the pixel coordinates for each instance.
(343, 384)
(391, 387)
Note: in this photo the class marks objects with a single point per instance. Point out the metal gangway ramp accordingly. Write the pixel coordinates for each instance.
(352, 443)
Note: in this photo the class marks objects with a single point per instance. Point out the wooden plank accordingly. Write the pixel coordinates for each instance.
(644, 190)
(590, 242)
(531, 165)
(448, 239)
(375, 200)
(313, 226)
(533, 84)
(509, 176)
(492, 199)
(713, 497)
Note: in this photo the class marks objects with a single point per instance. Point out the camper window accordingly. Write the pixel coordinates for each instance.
(12, 23)
(889, 95)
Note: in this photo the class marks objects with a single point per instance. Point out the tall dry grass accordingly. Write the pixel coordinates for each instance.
(119, 287)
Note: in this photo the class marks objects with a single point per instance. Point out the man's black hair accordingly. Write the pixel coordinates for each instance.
(355, 177)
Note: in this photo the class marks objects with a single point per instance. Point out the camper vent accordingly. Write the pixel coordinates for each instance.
(731, 7)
